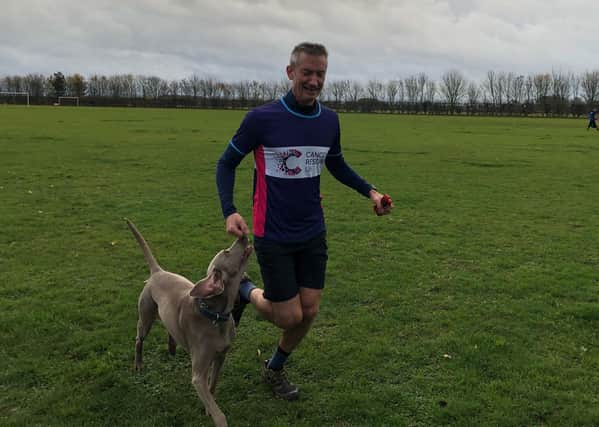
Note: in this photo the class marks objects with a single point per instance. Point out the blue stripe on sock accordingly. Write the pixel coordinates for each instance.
(278, 359)
(245, 288)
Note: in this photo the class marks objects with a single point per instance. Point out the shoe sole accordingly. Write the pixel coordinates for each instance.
(288, 397)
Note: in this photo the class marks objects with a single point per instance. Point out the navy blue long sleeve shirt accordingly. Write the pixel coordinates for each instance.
(290, 144)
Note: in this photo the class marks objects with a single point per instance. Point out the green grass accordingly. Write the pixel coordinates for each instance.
(475, 304)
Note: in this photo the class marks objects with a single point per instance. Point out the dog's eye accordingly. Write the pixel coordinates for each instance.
(227, 251)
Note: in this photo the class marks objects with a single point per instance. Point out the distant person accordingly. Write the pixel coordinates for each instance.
(592, 119)
(292, 138)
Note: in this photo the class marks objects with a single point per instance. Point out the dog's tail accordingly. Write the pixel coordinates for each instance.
(152, 263)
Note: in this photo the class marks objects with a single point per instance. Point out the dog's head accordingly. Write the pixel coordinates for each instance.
(226, 268)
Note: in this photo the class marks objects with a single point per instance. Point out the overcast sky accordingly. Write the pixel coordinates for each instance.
(240, 40)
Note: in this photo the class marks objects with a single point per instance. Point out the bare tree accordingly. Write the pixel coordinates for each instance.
(208, 87)
(401, 91)
(575, 86)
(430, 91)
(453, 88)
(35, 84)
(339, 90)
(130, 85)
(153, 87)
(284, 86)
(228, 91)
(257, 92)
(271, 89)
(422, 80)
(411, 86)
(355, 92)
(515, 88)
(529, 89)
(191, 86)
(501, 88)
(242, 90)
(560, 87)
(174, 88)
(14, 83)
(116, 86)
(590, 86)
(542, 83)
(495, 87)
(473, 93)
(489, 86)
(391, 90)
(375, 89)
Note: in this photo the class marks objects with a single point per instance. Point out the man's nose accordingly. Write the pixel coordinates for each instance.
(314, 80)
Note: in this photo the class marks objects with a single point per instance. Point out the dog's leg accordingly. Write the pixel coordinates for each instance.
(172, 345)
(200, 368)
(148, 310)
(217, 365)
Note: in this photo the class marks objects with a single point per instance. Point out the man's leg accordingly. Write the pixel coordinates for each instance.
(293, 280)
(294, 316)
(285, 315)
(310, 305)
(305, 308)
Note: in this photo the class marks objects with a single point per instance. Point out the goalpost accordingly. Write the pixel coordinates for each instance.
(14, 94)
(73, 98)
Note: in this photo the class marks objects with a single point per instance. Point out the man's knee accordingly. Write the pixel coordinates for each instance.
(289, 319)
(309, 312)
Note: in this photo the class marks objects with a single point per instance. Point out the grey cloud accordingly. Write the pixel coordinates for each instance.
(234, 39)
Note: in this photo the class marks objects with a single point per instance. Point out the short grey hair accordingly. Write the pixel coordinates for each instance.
(315, 49)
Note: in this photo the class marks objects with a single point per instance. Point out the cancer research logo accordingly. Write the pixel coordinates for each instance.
(296, 162)
(285, 162)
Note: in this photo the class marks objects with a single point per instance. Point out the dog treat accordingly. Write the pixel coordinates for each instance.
(385, 202)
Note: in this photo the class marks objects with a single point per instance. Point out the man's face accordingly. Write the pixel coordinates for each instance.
(307, 77)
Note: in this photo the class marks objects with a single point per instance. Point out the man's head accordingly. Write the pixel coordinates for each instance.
(307, 70)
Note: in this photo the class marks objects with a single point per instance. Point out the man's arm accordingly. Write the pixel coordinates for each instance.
(225, 182)
(345, 174)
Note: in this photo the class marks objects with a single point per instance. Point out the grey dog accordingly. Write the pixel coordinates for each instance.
(196, 316)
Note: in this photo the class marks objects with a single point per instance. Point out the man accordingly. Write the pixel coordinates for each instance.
(291, 138)
(592, 120)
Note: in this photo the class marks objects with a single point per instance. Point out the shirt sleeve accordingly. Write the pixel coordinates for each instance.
(342, 172)
(225, 178)
(246, 138)
(241, 144)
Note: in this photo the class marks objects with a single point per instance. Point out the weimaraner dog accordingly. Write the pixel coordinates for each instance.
(196, 316)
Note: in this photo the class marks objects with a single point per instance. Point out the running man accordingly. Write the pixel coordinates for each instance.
(291, 138)
(592, 119)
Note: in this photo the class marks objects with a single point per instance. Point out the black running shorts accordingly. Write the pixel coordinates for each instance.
(287, 267)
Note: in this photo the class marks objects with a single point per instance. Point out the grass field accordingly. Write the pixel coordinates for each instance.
(475, 304)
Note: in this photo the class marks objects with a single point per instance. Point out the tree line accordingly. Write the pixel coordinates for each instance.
(497, 93)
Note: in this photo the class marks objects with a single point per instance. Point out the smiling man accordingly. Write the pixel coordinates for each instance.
(292, 139)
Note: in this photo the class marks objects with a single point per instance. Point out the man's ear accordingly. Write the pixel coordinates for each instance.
(290, 72)
(209, 286)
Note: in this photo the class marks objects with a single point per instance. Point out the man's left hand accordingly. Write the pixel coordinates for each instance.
(380, 207)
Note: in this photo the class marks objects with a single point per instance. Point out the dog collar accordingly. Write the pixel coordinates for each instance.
(215, 316)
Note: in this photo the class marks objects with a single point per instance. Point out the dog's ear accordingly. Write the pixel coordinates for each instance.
(209, 286)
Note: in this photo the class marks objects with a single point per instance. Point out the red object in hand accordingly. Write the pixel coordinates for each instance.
(385, 202)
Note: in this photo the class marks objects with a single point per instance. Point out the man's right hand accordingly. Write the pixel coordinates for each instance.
(235, 225)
